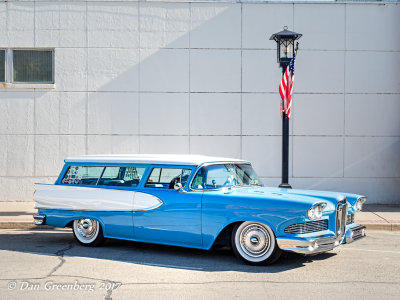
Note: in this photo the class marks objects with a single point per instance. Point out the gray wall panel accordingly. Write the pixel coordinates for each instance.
(181, 77)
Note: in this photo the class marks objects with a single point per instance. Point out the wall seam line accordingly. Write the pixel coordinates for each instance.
(190, 77)
(139, 135)
(241, 82)
(344, 92)
(87, 82)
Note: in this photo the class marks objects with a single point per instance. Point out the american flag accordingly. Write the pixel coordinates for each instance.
(286, 88)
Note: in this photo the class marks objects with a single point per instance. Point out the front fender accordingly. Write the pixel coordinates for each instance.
(209, 239)
(220, 210)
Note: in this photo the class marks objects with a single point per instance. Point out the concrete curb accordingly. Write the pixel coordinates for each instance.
(384, 227)
(22, 225)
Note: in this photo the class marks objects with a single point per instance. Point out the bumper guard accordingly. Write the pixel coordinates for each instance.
(319, 245)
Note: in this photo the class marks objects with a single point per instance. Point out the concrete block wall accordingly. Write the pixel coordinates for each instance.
(202, 78)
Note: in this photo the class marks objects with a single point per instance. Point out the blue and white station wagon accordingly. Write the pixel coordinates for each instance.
(194, 201)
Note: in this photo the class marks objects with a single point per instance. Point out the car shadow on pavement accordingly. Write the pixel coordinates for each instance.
(62, 243)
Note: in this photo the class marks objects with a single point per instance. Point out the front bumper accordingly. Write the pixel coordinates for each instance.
(319, 245)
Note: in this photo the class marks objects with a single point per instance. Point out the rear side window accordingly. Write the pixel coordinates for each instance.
(167, 177)
(82, 175)
(122, 176)
(104, 176)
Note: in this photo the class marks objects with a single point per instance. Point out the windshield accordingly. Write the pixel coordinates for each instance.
(225, 175)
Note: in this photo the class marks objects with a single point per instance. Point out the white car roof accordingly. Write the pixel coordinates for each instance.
(170, 159)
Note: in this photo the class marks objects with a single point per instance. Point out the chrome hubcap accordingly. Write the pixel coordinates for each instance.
(87, 228)
(254, 240)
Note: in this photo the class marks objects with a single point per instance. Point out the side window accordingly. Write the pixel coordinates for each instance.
(82, 175)
(215, 177)
(198, 182)
(122, 176)
(167, 177)
(110, 173)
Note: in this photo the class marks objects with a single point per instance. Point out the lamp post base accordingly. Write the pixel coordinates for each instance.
(285, 186)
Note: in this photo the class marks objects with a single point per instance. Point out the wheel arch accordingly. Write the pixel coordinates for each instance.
(224, 234)
(84, 216)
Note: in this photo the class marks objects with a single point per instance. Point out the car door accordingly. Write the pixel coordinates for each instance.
(177, 221)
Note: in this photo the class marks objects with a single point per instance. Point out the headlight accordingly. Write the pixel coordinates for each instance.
(315, 212)
(359, 204)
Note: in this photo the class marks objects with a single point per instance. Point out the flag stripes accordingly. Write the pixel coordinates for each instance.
(286, 89)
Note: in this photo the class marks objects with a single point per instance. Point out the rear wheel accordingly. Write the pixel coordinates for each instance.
(88, 232)
(255, 243)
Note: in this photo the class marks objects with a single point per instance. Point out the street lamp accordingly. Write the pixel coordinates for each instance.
(285, 52)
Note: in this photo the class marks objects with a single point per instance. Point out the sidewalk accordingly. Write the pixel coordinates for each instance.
(19, 215)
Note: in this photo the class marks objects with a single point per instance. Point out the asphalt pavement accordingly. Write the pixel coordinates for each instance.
(49, 264)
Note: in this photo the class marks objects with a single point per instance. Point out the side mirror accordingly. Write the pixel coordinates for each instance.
(178, 187)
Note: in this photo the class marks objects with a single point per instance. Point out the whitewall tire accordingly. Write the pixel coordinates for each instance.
(88, 232)
(255, 243)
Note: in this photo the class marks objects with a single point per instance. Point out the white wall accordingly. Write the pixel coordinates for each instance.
(179, 77)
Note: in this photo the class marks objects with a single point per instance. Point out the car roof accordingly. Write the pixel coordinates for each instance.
(170, 159)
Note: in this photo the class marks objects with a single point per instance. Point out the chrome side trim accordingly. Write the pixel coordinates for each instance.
(39, 219)
(68, 209)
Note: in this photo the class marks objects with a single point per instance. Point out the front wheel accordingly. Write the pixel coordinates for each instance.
(88, 232)
(255, 243)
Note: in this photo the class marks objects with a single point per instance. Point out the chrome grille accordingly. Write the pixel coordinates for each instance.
(341, 213)
(350, 219)
(307, 227)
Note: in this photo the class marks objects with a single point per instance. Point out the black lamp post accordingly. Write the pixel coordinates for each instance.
(285, 51)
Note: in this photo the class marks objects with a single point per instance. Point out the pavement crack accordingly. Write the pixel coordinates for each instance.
(60, 256)
(108, 295)
(109, 291)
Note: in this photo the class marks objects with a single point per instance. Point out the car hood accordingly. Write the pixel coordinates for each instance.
(308, 197)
